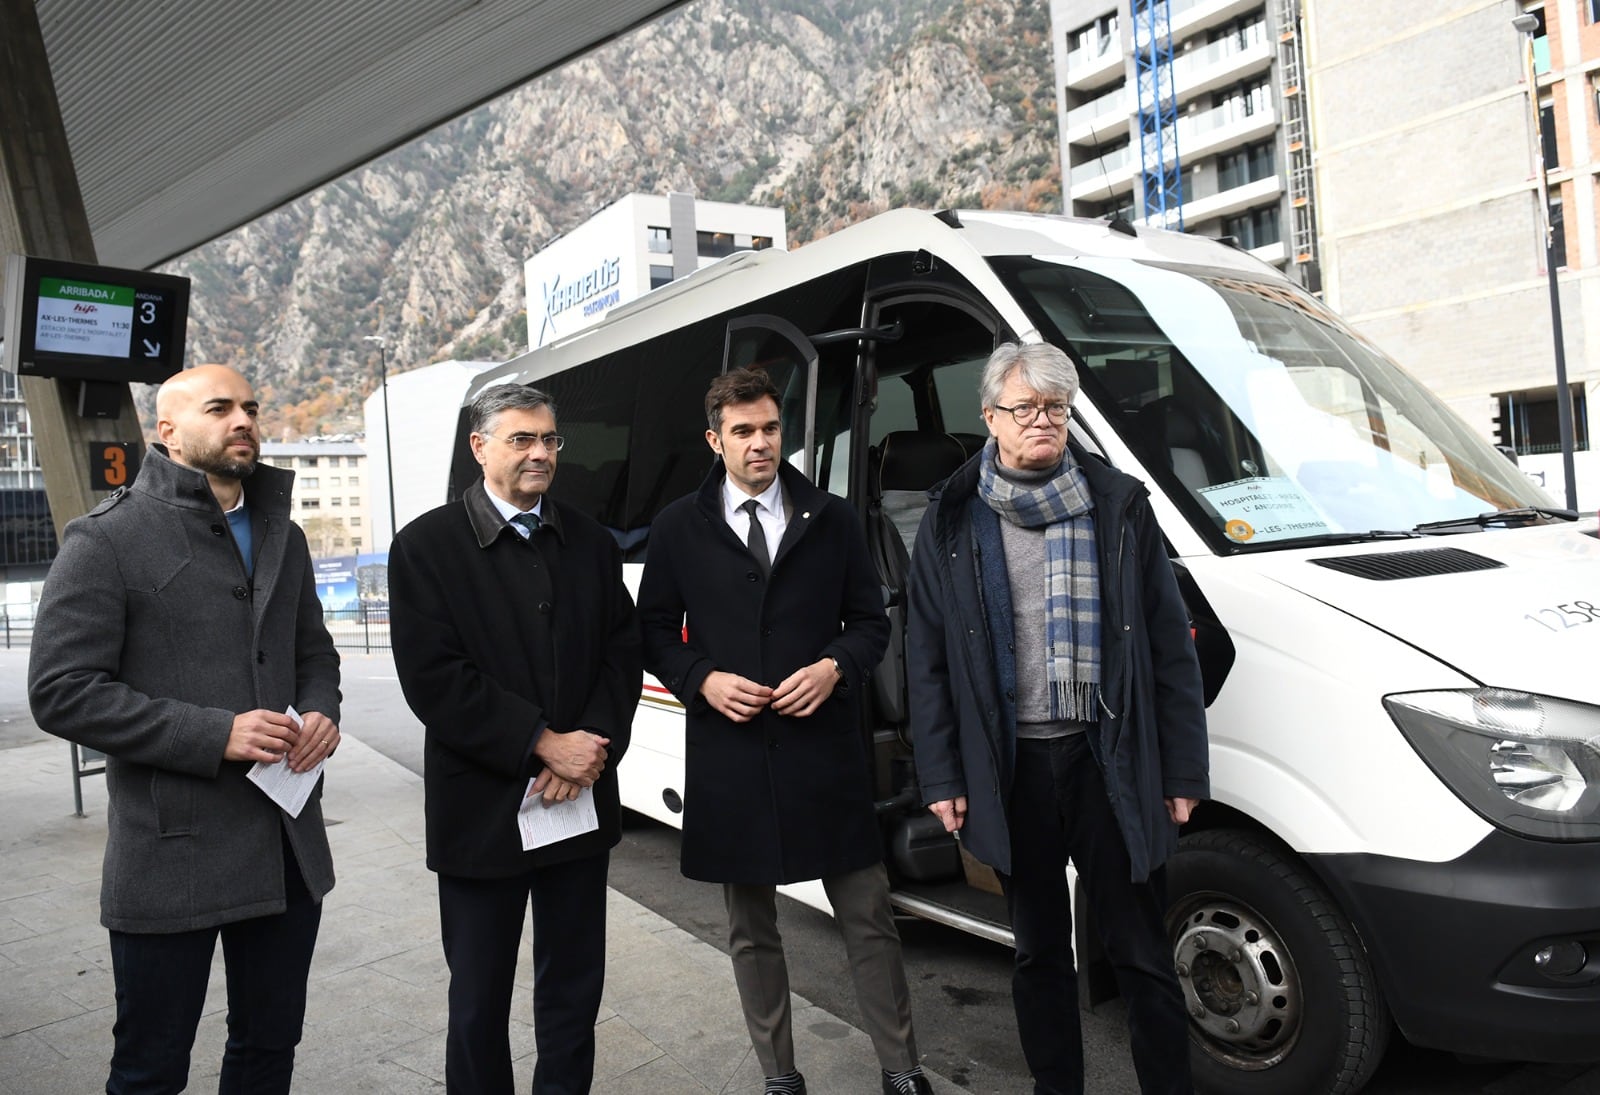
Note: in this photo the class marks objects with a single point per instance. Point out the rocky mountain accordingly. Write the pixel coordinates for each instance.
(837, 109)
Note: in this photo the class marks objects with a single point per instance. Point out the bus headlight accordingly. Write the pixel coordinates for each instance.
(1527, 763)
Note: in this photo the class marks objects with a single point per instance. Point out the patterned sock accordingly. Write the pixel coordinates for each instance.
(901, 1081)
(787, 1084)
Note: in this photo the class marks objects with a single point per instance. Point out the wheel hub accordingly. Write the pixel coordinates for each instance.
(1238, 981)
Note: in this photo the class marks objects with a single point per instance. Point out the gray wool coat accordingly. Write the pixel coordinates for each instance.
(149, 639)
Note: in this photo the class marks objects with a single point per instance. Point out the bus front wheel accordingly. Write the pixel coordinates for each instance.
(1279, 990)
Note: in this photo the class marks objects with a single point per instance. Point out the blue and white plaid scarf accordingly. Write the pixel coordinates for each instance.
(1064, 509)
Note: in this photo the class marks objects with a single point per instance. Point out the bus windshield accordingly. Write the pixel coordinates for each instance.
(1275, 421)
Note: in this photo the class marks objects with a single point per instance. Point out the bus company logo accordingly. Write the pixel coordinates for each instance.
(86, 309)
(560, 296)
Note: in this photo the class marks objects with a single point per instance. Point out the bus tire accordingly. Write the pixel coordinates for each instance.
(1280, 993)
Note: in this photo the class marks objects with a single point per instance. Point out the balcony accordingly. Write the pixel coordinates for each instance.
(1221, 63)
(1100, 117)
(1104, 176)
(1220, 128)
(1095, 65)
(1225, 203)
(1187, 16)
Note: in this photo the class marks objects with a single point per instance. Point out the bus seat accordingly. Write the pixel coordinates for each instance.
(900, 469)
(1176, 437)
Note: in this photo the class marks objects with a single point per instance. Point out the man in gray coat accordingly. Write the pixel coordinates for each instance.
(178, 627)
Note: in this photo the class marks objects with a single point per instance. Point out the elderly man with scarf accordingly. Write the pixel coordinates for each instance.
(1056, 709)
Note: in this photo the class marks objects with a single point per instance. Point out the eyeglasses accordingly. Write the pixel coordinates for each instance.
(522, 442)
(1025, 413)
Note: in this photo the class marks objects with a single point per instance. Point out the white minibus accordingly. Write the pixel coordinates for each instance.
(1399, 633)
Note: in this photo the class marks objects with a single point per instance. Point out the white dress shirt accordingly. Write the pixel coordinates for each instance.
(769, 510)
(508, 511)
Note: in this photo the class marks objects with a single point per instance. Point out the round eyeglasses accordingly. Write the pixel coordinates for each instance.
(1025, 413)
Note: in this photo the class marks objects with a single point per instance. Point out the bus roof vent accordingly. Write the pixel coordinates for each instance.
(1409, 564)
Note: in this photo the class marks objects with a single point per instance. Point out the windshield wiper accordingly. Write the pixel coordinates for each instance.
(1526, 515)
(1316, 538)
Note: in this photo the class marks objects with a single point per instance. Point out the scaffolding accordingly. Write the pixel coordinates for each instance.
(1162, 171)
(1302, 205)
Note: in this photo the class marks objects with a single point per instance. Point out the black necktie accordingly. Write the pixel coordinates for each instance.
(529, 522)
(756, 541)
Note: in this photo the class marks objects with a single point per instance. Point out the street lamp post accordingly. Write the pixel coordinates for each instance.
(1526, 25)
(388, 451)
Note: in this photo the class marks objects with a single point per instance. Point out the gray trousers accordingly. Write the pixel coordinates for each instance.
(860, 902)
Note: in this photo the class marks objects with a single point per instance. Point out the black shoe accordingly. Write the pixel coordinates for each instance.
(787, 1087)
(919, 1085)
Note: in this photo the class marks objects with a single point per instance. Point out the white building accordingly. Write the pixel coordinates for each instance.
(631, 246)
(426, 405)
(330, 492)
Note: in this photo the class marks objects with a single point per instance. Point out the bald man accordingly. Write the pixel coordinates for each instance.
(178, 628)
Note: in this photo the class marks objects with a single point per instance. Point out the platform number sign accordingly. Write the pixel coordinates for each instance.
(112, 464)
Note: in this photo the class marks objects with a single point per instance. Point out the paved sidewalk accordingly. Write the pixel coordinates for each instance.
(670, 1022)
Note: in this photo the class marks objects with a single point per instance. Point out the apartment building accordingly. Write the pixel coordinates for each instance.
(1223, 121)
(1428, 154)
(330, 492)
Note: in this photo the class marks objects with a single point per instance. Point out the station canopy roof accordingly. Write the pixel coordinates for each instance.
(188, 118)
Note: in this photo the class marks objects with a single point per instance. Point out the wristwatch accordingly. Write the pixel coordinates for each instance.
(837, 668)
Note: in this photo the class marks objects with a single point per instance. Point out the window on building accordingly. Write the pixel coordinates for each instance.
(355, 543)
(310, 503)
(352, 462)
(1591, 10)
(659, 276)
(308, 461)
(355, 481)
(355, 521)
(334, 482)
(335, 501)
(714, 245)
(1255, 227)
(1547, 134)
(1095, 37)
(658, 240)
(8, 385)
(1594, 89)
(354, 501)
(761, 243)
(1244, 32)
(1246, 165)
(1529, 421)
(338, 541)
(310, 483)
(1558, 231)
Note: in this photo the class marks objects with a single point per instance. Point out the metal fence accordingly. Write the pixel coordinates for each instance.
(15, 632)
(364, 629)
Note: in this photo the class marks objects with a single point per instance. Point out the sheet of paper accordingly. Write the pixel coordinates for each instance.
(541, 824)
(282, 784)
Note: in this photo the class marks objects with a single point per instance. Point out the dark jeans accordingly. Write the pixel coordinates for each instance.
(1060, 809)
(481, 923)
(161, 990)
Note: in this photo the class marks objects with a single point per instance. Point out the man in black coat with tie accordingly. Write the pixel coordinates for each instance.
(784, 623)
(490, 595)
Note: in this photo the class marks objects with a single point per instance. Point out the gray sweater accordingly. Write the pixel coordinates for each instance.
(150, 638)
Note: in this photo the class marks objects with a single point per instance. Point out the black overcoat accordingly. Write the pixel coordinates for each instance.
(495, 638)
(777, 799)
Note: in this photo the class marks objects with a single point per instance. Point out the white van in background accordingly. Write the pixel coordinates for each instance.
(1400, 635)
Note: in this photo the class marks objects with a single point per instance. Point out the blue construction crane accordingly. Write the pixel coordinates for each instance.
(1162, 171)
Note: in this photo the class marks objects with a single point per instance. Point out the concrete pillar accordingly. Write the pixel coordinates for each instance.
(41, 213)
